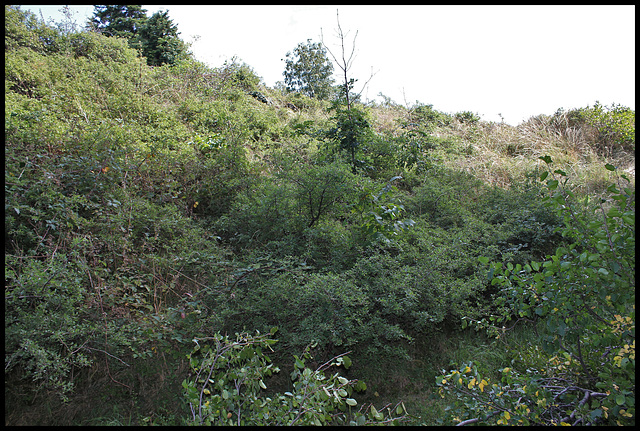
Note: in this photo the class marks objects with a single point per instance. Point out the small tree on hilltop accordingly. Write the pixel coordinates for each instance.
(352, 126)
(118, 21)
(159, 40)
(308, 71)
(156, 37)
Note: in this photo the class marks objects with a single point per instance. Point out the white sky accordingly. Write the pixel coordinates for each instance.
(518, 61)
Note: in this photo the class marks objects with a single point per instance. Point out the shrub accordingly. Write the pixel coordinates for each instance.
(583, 297)
(229, 387)
(427, 117)
(287, 203)
(612, 128)
(467, 117)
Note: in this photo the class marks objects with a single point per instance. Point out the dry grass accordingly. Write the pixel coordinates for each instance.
(501, 154)
(387, 119)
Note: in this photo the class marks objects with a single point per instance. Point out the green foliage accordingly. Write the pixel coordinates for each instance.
(380, 214)
(243, 76)
(352, 131)
(288, 203)
(159, 40)
(118, 20)
(229, 387)
(156, 37)
(429, 118)
(309, 71)
(467, 117)
(46, 329)
(320, 189)
(145, 206)
(613, 126)
(96, 47)
(23, 29)
(583, 295)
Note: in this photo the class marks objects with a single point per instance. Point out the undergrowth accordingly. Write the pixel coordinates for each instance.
(148, 209)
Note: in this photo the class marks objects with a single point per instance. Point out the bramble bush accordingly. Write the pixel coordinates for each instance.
(582, 298)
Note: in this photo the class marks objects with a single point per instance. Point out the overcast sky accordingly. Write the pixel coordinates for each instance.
(518, 61)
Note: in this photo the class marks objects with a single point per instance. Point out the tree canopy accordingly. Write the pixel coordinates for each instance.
(309, 71)
(156, 37)
(118, 20)
(160, 41)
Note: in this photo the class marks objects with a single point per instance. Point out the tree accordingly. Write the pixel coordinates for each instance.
(351, 131)
(345, 63)
(119, 20)
(159, 40)
(352, 127)
(156, 37)
(308, 70)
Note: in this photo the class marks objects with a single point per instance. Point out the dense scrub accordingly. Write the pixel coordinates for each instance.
(148, 210)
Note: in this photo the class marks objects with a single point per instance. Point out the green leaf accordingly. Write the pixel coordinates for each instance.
(610, 167)
(360, 386)
(546, 159)
(351, 401)
(346, 361)
(373, 411)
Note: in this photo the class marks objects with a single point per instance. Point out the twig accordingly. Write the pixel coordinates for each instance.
(107, 353)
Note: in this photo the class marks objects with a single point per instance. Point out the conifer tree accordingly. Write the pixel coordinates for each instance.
(159, 40)
(118, 20)
(156, 37)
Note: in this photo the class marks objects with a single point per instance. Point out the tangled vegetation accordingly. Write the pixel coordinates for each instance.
(184, 245)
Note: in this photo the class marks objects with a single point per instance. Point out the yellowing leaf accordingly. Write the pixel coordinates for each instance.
(471, 383)
(507, 416)
(482, 384)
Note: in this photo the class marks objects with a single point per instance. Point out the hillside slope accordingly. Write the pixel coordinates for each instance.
(148, 207)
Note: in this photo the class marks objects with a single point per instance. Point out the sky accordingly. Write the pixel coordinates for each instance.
(501, 62)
